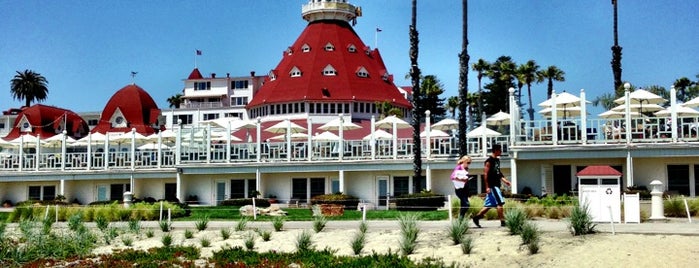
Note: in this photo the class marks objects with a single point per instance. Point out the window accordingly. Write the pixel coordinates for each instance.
(401, 186)
(295, 72)
(92, 122)
(202, 85)
(171, 192)
(362, 72)
(272, 75)
(239, 84)
(419, 184)
(210, 116)
(185, 118)
(237, 189)
(234, 115)
(239, 101)
(678, 179)
(299, 189)
(351, 48)
(2, 125)
(116, 191)
(329, 47)
(305, 48)
(34, 192)
(335, 185)
(329, 71)
(317, 186)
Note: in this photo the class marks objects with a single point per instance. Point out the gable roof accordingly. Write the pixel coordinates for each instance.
(599, 171)
(195, 74)
(345, 85)
(47, 121)
(138, 108)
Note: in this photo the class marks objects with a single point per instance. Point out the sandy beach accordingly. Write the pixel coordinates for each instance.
(493, 246)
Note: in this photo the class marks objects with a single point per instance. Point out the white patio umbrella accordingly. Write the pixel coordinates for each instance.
(482, 131)
(617, 114)
(335, 125)
(285, 125)
(681, 111)
(692, 103)
(152, 146)
(27, 139)
(561, 111)
(434, 133)
(293, 136)
(389, 121)
(641, 96)
(57, 139)
(234, 122)
(379, 134)
(498, 119)
(326, 136)
(563, 99)
(637, 107)
(446, 124)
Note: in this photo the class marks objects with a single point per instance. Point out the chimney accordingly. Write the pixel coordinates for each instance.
(252, 73)
(213, 75)
(228, 75)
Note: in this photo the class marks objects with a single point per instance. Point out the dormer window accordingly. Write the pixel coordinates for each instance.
(329, 71)
(362, 72)
(118, 119)
(305, 48)
(329, 47)
(272, 75)
(289, 51)
(367, 51)
(25, 126)
(351, 48)
(385, 76)
(295, 72)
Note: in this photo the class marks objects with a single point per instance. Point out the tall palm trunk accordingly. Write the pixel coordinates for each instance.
(417, 95)
(463, 79)
(616, 53)
(530, 111)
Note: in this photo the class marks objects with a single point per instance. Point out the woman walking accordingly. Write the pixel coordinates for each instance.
(460, 179)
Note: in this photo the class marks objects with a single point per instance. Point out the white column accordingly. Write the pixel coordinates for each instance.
(288, 140)
(484, 141)
(673, 113)
(583, 116)
(133, 150)
(89, 151)
(428, 138)
(629, 169)
(513, 175)
(160, 150)
(372, 141)
(309, 149)
(106, 152)
(514, 119)
(228, 142)
(178, 142)
(395, 140)
(178, 184)
(341, 177)
(37, 153)
(627, 112)
(554, 119)
(208, 143)
(259, 142)
(428, 177)
(342, 138)
(62, 190)
(258, 179)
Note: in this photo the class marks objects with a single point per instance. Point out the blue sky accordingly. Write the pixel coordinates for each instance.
(87, 49)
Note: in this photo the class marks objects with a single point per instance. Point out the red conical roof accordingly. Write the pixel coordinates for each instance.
(195, 74)
(137, 107)
(348, 56)
(47, 121)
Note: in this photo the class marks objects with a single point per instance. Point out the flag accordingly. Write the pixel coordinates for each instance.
(198, 52)
(378, 30)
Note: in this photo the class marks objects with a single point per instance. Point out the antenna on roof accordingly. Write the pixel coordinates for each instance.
(133, 77)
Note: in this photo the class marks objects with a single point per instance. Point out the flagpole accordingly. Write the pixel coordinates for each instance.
(195, 59)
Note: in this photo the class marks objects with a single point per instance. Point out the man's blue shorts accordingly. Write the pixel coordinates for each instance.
(494, 198)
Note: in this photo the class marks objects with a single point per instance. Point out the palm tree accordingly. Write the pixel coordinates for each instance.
(175, 101)
(431, 89)
(616, 53)
(552, 73)
(481, 67)
(463, 78)
(606, 100)
(29, 86)
(417, 96)
(682, 85)
(528, 71)
(501, 74)
(452, 105)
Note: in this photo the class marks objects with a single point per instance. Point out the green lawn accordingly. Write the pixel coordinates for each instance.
(305, 214)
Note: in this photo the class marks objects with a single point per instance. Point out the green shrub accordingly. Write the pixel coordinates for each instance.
(319, 223)
(529, 232)
(127, 240)
(102, 222)
(242, 223)
(149, 233)
(408, 233)
(423, 201)
(205, 242)
(249, 240)
(202, 223)
(166, 240)
(457, 229)
(337, 198)
(265, 235)
(188, 234)
(363, 227)
(134, 225)
(466, 244)
(303, 242)
(165, 226)
(674, 206)
(225, 233)
(278, 223)
(581, 220)
(514, 220)
(358, 242)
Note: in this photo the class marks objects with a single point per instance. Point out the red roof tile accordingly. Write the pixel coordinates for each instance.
(48, 121)
(138, 109)
(195, 74)
(345, 86)
(599, 171)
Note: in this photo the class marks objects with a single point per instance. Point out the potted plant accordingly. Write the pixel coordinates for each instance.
(272, 198)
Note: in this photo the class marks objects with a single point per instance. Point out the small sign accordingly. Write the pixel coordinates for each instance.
(609, 191)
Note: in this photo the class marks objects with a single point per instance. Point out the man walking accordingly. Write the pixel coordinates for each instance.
(493, 178)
